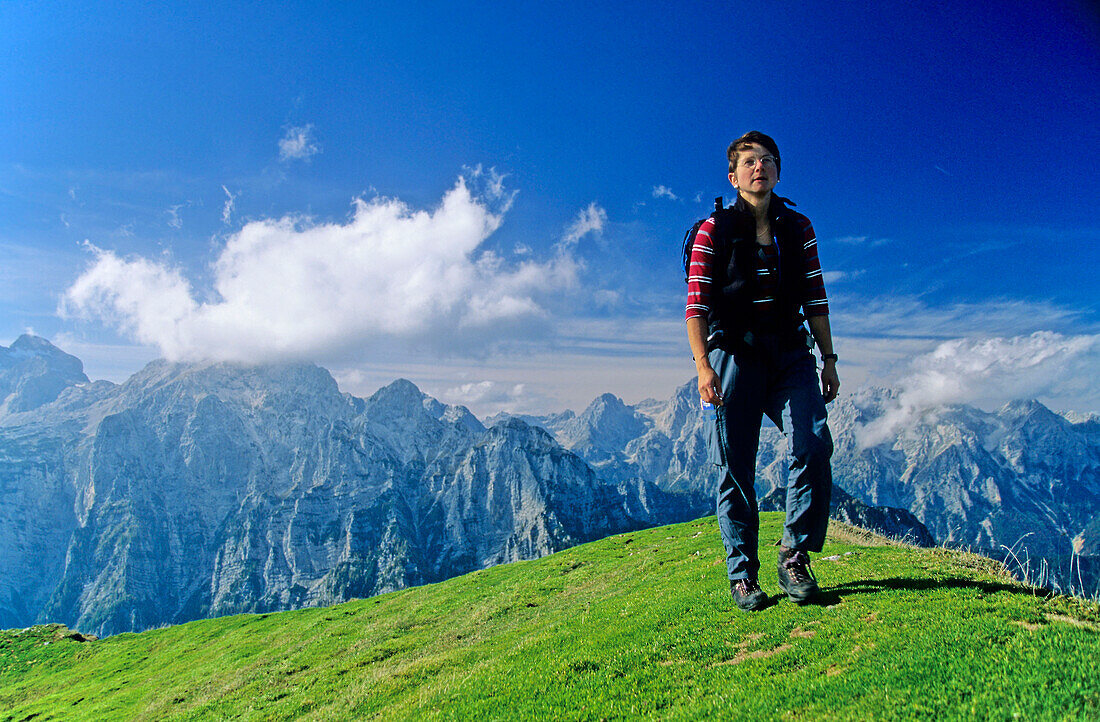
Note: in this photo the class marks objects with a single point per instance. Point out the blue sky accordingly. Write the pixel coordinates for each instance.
(490, 201)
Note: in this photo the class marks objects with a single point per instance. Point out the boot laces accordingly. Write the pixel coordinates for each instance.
(798, 567)
(747, 586)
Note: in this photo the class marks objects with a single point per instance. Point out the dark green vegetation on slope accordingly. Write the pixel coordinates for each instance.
(640, 624)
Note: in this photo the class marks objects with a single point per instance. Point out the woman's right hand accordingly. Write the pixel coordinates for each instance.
(710, 386)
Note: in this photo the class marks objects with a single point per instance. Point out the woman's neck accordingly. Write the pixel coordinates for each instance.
(758, 204)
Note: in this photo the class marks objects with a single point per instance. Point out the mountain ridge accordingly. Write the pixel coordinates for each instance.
(193, 490)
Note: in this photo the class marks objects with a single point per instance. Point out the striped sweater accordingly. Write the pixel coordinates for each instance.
(700, 274)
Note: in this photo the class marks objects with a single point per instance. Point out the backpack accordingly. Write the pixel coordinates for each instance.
(689, 237)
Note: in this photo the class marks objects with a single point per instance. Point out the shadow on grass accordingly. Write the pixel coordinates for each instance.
(833, 595)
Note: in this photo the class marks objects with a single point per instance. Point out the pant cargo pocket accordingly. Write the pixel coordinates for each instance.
(716, 437)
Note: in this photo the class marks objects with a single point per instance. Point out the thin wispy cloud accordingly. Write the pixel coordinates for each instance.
(841, 276)
(664, 192)
(227, 209)
(298, 143)
(590, 220)
(861, 241)
(174, 219)
(289, 288)
(910, 316)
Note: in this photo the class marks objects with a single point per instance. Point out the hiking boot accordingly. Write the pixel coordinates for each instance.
(747, 594)
(795, 577)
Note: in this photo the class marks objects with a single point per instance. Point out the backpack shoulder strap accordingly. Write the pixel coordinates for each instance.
(689, 237)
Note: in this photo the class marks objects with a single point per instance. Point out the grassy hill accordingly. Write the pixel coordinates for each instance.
(639, 624)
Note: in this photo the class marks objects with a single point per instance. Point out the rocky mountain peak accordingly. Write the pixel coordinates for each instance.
(605, 403)
(36, 345)
(461, 416)
(604, 429)
(610, 410)
(515, 429)
(1029, 410)
(401, 396)
(34, 372)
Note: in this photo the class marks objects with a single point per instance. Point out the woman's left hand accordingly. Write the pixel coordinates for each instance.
(830, 382)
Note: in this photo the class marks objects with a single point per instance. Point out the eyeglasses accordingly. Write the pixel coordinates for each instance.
(768, 161)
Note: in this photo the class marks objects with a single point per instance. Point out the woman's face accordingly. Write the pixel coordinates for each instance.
(755, 171)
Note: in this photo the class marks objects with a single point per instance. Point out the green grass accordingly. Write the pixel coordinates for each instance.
(636, 625)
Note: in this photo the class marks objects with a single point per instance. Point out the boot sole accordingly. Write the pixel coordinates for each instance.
(799, 598)
(754, 607)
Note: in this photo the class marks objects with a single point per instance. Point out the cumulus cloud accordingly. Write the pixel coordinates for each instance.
(290, 288)
(482, 396)
(589, 220)
(991, 370)
(298, 144)
(664, 192)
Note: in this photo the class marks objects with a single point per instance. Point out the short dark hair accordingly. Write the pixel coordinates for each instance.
(742, 143)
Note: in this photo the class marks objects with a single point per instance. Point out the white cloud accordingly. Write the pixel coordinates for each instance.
(298, 143)
(664, 192)
(1044, 365)
(911, 317)
(840, 276)
(227, 209)
(589, 220)
(174, 219)
(861, 241)
(606, 298)
(487, 397)
(142, 298)
(291, 289)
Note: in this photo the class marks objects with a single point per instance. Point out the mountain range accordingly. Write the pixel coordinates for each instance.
(197, 490)
(206, 489)
(1021, 484)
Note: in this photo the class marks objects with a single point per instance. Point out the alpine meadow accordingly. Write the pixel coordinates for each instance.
(568, 361)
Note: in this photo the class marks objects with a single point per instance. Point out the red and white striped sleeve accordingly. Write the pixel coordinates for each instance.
(700, 272)
(814, 300)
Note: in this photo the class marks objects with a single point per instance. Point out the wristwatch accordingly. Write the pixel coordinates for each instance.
(826, 357)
